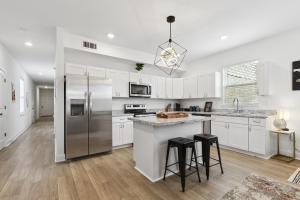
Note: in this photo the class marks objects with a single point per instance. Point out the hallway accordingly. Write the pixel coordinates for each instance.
(28, 171)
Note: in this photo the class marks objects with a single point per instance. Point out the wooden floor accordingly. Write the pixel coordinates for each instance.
(28, 171)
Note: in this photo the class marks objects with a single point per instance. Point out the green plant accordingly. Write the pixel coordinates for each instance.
(139, 66)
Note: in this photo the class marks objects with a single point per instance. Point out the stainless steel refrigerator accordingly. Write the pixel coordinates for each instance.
(88, 116)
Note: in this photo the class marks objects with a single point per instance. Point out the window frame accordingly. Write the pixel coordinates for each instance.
(22, 98)
(247, 104)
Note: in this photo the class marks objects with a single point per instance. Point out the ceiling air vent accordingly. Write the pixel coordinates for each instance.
(89, 45)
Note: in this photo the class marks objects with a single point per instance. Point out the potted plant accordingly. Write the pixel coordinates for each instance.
(139, 66)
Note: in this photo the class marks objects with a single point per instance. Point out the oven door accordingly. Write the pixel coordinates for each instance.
(139, 90)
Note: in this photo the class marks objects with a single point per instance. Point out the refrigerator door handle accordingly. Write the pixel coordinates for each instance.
(91, 105)
(86, 102)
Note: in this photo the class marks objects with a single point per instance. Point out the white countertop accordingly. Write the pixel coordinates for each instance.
(155, 121)
(235, 114)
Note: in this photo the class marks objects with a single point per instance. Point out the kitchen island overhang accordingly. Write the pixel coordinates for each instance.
(150, 138)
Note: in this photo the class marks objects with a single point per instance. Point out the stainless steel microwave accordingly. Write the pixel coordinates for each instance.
(139, 90)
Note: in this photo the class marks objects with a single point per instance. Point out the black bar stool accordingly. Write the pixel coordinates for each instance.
(181, 144)
(207, 140)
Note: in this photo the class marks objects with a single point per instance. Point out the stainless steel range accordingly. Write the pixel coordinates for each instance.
(139, 110)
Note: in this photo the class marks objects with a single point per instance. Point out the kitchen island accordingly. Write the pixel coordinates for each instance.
(150, 138)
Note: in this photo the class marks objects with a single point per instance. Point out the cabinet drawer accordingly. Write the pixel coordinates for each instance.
(257, 122)
(235, 120)
(120, 119)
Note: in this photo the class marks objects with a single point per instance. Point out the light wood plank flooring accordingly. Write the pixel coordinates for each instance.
(28, 171)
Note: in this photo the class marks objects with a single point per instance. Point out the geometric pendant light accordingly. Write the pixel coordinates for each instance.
(170, 54)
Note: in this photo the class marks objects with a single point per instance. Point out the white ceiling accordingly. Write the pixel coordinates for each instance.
(139, 24)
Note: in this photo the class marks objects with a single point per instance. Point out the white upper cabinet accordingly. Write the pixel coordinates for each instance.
(120, 83)
(263, 78)
(209, 85)
(75, 69)
(96, 72)
(190, 87)
(158, 87)
(177, 87)
(140, 78)
(169, 88)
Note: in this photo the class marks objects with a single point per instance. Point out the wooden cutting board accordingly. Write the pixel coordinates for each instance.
(169, 115)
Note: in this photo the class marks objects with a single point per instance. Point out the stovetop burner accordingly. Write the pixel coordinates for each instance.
(139, 110)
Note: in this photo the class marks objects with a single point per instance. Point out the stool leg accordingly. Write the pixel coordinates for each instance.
(182, 161)
(196, 161)
(167, 158)
(207, 158)
(203, 152)
(192, 153)
(219, 155)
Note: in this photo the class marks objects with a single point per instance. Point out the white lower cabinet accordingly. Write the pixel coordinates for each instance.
(122, 132)
(220, 129)
(247, 134)
(257, 139)
(238, 136)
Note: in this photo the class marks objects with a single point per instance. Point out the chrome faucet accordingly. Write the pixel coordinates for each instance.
(237, 104)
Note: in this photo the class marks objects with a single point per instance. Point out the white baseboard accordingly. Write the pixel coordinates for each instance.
(160, 178)
(60, 158)
(2, 144)
(14, 138)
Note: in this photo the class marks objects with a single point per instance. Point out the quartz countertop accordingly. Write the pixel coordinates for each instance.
(237, 114)
(120, 113)
(155, 121)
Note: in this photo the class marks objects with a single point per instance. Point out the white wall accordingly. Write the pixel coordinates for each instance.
(16, 123)
(281, 50)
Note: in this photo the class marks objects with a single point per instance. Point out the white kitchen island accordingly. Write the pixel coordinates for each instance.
(150, 138)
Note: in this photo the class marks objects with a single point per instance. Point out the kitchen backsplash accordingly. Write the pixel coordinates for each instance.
(118, 103)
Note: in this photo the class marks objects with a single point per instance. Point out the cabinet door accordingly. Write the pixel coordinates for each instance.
(263, 78)
(96, 72)
(127, 132)
(190, 88)
(238, 136)
(145, 79)
(75, 69)
(201, 86)
(220, 129)
(169, 88)
(134, 77)
(257, 139)
(116, 137)
(161, 87)
(120, 83)
(177, 88)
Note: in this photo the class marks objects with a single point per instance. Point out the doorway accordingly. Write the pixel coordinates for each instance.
(46, 103)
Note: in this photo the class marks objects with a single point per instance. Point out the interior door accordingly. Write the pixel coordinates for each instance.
(46, 102)
(76, 116)
(100, 116)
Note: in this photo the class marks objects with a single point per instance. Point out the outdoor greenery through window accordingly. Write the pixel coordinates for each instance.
(240, 82)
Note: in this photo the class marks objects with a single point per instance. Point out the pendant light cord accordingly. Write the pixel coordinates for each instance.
(170, 40)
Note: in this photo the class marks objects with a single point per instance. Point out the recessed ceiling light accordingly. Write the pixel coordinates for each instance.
(110, 36)
(29, 44)
(224, 37)
(41, 74)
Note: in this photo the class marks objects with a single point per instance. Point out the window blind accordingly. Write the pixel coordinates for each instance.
(240, 82)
